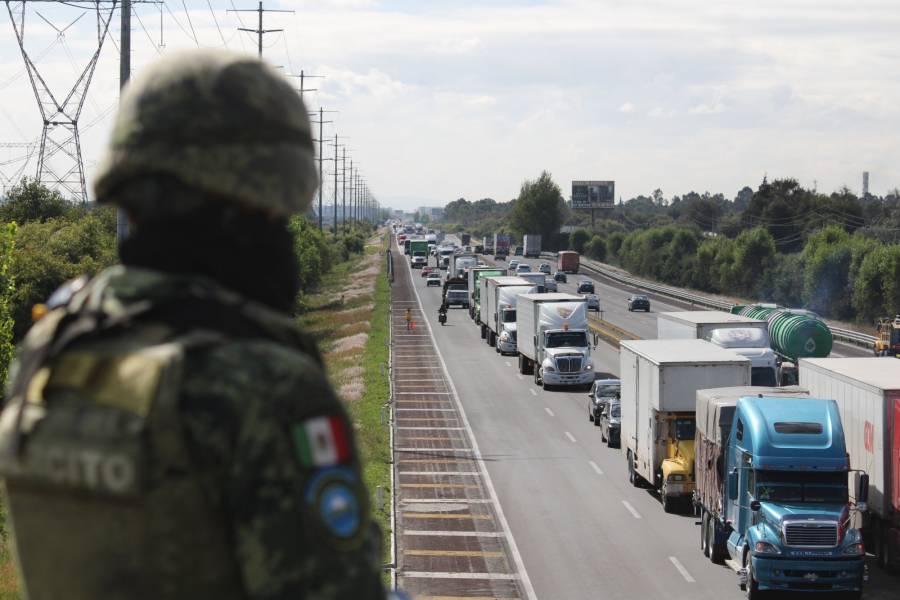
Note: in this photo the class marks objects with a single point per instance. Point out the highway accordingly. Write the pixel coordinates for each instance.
(581, 529)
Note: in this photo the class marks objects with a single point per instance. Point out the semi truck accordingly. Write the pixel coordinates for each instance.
(660, 379)
(552, 340)
(484, 307)
(567, 261)
(532, 245)
(475, 276)
(538, 279)
(744, 335)
(459, 265)
(501, 245)
(867, 392)
(786, 498)
(715, 413)
(464, 239)
(487, 244)
(501, 311)
(418, 253)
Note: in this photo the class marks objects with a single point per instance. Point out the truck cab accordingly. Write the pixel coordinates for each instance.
(787, 501)
(565, 357)
(752, 343)
(506, 341)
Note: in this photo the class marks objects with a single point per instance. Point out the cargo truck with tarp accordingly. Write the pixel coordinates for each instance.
(476, 274)
(660, 379)
(501, 245)
(715, 413)
(867, 393)
(744, 335)
(781, 499)
(567, 261)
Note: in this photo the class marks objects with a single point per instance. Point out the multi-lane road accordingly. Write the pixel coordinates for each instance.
(581, 530)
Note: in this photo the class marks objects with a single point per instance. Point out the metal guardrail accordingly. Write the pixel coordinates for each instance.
(842, 335)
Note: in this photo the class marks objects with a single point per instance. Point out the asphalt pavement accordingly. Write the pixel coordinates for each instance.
(581, 529)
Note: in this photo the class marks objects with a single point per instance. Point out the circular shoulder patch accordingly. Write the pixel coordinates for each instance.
(333, 497)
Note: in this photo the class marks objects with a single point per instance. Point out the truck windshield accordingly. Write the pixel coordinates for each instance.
(566, 339)
(685, 429)
(509, 316)
(798, 486)
(763, 376)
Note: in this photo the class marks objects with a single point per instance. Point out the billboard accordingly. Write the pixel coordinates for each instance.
(593, 194)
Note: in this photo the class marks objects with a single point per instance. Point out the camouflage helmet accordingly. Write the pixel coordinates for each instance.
(220, 123)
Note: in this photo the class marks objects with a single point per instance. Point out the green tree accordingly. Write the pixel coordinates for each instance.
(578, 239)
(753, 257)
(826, 275)
(31, 201)
(7, 288)
(596, 248)
(539, 208)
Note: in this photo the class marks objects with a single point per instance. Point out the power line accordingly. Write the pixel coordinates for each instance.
(190, 22)
(216, 21)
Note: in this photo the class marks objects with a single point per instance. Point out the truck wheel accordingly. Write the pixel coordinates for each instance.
(492, 338)
(704, 534)
(590, 415)
(717, 553)
(668, 504)
(752, 587)
(528, 365)
(482, 331)
(633, 478)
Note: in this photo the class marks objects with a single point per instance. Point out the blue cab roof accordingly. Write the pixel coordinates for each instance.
(792, 433)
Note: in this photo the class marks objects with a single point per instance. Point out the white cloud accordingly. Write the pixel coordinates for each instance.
(628, 107)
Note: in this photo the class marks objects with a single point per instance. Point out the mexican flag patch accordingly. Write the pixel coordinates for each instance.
(321, 442)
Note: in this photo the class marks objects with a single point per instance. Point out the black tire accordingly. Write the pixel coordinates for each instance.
(633, 478)
(717, 553)
(704, 534)
(492, 338)
(537, 380)
(590, 415)
(529, 366)
(752, 588)
(668, 504)
(483, 329)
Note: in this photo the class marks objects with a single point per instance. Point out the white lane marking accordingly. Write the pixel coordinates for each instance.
(571, 437)
(493, 534)
(433, 428)
(445, 501)
(533, 393)
(425, 449)
(519, 375)
(462, 575)
(681, 569)
(438, 473)
(414, 380)
(549, 412)
(631, 509)
(508, 364)
(596, 468)
(482, 466)
(426, 409)
(425, 393)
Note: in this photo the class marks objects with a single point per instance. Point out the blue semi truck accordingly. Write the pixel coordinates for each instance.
(772, 489)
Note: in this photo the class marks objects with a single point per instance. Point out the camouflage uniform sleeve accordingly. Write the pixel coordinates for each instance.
(275, 450)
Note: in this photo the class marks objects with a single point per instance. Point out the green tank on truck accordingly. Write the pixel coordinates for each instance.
(792, 334)
(475, 276)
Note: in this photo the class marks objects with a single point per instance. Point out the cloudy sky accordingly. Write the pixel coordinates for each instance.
(442, 99)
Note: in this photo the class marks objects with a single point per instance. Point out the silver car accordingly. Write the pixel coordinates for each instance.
(593, 302)
(602, 392)
(545, 268)
(550, 285)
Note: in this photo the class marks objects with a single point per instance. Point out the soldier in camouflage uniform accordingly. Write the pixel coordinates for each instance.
(169, 431)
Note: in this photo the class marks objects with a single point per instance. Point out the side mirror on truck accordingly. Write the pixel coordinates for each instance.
(862, 492)
(733, 484)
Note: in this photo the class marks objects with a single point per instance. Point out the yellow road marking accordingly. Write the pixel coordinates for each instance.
(474, 553)
(412, 515)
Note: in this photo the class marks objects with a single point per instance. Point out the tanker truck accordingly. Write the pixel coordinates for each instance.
(793, 334)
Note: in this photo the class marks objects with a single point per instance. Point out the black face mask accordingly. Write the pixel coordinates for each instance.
(247, 252)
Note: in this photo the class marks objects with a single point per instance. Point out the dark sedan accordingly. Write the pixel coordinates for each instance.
(638, 302)
(611, 423)
(586, 287)
(560, 277)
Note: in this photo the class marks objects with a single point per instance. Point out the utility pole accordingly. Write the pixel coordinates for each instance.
(303, 77)
(344, 189)
(124, 76)
(352, 220)
(321, 122)
(259, 31)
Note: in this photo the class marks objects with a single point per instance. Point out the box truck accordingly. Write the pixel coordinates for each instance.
(744, 335)
(501, 302)
(553, 339)
(476, 274)
(460, 264)
(532, 245)
(567, 261)
(660, 379)
(418, 253)
(484, 315)
(867, 392)
(501, 245)
(487, 244)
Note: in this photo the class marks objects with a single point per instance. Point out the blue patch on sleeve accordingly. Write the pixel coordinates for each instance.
(333, 496)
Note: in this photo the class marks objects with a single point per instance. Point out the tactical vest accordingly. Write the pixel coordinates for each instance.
(104, 498)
